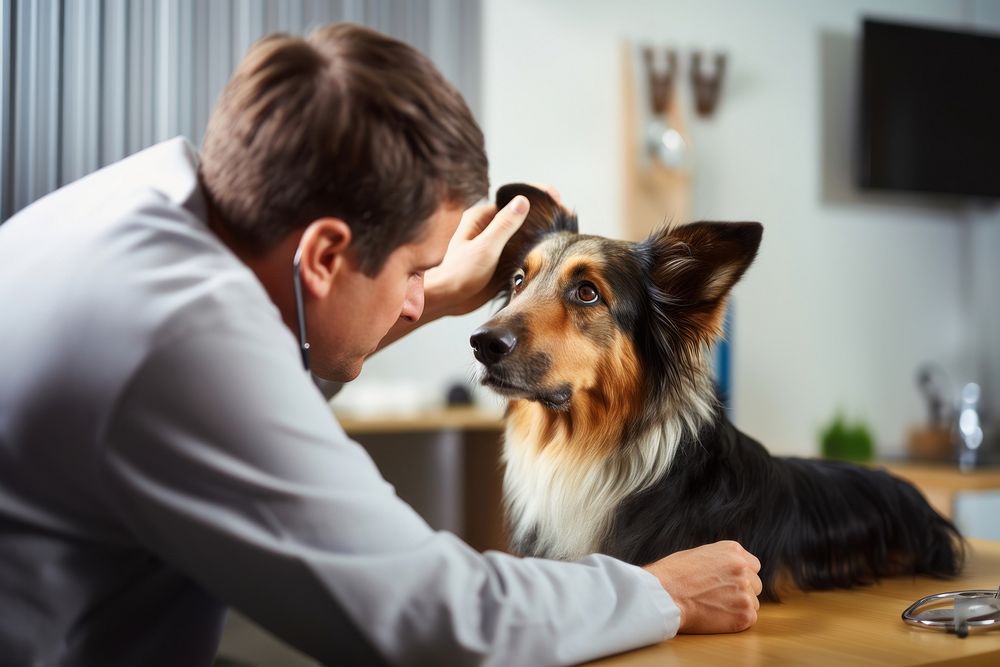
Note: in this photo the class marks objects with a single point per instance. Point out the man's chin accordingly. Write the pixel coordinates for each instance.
(343, 371)
(352, 373)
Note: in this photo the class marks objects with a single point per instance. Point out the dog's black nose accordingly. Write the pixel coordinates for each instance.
(492, 345)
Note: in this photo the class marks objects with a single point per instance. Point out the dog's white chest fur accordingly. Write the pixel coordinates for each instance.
(560, 505)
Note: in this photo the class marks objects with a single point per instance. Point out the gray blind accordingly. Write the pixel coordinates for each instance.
(87, 82)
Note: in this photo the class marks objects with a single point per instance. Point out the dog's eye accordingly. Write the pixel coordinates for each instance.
(587, 293)
(518, 280)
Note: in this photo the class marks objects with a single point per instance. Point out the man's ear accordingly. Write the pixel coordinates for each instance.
(545, 216)
(323, 248)
(694, 266)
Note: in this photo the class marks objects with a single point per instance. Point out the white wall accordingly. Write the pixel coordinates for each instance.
(850, 291)
(983, 291)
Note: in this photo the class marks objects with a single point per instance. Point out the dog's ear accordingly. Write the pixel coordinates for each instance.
(545, 217)
(694, 266)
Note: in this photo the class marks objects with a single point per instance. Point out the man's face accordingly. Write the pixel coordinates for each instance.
(352, 319)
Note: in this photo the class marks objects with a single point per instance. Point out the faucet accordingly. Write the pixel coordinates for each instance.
(970, 427)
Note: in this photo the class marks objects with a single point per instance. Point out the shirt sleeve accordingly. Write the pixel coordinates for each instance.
(224, 461)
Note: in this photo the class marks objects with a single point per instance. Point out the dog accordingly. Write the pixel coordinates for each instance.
(614, 438)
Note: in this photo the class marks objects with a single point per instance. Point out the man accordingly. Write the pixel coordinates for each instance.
(163, 454)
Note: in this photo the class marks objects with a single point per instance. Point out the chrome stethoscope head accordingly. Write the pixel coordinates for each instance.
(957, 611)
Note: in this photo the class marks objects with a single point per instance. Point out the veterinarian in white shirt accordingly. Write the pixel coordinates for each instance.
(163, 454)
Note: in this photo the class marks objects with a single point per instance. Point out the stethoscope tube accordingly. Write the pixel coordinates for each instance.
(300, 311)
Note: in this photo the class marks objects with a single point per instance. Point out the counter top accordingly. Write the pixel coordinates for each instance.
(857, 627)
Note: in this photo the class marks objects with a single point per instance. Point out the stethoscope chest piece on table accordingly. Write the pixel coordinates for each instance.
(960, 612)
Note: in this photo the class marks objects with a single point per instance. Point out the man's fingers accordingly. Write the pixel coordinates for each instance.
(507, 221)
(755, 583)
(475, 220)
(750, 559)
(551, 191)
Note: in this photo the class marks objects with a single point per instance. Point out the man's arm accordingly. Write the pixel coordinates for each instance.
(224, 462)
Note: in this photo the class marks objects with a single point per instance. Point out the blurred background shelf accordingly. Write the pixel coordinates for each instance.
(446, 463)
(444, 419)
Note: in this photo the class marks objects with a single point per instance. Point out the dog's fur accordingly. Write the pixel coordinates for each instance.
(615, 442)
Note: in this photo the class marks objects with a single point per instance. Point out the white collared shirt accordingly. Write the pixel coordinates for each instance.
(163, 455)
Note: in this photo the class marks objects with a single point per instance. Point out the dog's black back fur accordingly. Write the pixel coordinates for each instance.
(825, 524)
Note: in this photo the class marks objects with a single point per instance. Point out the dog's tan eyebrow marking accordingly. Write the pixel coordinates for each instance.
(578, 266)
(532, 264)
(585, 267)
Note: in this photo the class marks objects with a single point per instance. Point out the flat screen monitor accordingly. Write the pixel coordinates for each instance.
(930, 110)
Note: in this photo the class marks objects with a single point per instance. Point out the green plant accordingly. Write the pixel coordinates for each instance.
(846, 442)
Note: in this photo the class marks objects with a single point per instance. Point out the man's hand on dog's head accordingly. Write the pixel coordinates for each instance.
(715, 586)
(461, 283)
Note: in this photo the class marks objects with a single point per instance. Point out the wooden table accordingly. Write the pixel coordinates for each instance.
(859, 627)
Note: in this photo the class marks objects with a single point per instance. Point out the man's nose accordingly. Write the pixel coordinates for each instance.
(491, 344)
(413, 304)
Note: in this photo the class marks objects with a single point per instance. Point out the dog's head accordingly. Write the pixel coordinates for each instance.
(594, 320)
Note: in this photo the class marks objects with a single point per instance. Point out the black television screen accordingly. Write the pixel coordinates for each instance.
(930, 110)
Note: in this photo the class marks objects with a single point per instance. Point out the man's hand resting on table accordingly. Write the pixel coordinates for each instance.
(715, 586)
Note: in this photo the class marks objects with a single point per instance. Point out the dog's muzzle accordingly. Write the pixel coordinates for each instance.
(491, 345)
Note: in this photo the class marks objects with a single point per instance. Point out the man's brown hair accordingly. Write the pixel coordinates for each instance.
(344, 123)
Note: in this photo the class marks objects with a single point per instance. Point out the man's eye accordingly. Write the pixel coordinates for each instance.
(587, 293)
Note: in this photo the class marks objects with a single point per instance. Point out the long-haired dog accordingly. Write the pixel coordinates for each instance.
(615, 441)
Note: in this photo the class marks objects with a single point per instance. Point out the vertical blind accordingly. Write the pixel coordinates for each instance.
(87, 82)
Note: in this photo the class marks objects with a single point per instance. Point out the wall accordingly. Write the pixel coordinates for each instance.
(983, 290)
